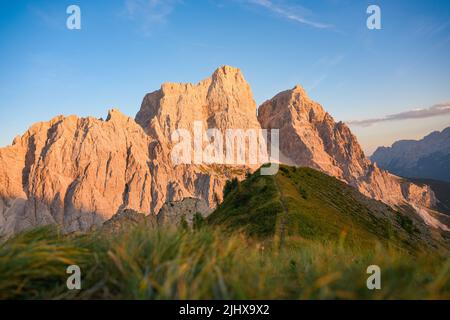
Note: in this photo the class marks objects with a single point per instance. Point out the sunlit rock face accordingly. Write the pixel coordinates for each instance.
(74, 172)
(310, 137)
(79, 172)
(223, 101)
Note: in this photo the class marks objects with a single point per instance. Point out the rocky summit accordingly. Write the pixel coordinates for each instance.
(223, 101)
(310, 137)
(79, 172)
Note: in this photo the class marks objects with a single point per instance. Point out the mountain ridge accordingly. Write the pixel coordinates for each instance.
(78, 172)
(312, 138)
(428, 157)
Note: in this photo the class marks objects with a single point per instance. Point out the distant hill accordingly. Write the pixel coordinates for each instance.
(302, 204)
(427, 158)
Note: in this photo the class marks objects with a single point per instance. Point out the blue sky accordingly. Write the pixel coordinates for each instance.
(127, 48)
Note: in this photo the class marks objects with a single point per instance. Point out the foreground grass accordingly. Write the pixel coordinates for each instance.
(206, 264)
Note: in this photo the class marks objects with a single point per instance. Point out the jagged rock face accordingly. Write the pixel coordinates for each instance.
(223, 101)
(74, 172)
(310, 137)
(79, 172)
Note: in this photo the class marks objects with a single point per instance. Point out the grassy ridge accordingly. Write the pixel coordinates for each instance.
(144, 263)
(301, 204)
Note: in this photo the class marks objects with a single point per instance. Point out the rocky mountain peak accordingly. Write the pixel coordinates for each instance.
(312, 138)
(228, 73)
(78, 172)
(298, 89)
(293, 104)
(222, 101)
(115, 115)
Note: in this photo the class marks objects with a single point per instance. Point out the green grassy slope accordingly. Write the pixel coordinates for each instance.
(302, 204)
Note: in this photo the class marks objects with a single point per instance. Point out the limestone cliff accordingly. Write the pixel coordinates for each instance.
(310, 137)
(79, 172)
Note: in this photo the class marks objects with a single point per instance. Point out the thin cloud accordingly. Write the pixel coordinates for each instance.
(149, 13)
(432, 28)
(317, 82)
(434, 111)
(288, 13)
(329, 61)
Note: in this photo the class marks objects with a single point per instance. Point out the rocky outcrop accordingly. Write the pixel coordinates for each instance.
(223, 101)
(74, 172)
(174, 213)
(310, 137)
(128, 219)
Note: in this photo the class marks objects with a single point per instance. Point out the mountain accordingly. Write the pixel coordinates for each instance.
(74, 172)
(302, 204)
(311, 138)
(79, 172)
(427, 158)
(223, 101)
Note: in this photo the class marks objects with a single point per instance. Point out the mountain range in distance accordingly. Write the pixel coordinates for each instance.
(425, 162)
(428, 158)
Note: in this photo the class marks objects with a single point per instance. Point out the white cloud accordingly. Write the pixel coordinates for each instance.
(434, 111)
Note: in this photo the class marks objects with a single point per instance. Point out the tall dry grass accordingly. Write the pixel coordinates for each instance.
(207, 264)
